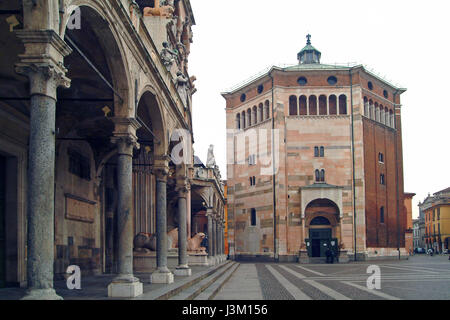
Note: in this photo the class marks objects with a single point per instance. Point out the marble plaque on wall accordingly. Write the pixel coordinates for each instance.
(79, 209)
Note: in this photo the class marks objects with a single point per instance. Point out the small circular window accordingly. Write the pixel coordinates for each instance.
(385, 94)
(260, 88)
(370, 85)
(332, 80)
(243, 97)
(302, 81)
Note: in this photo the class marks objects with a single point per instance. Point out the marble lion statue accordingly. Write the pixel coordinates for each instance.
(195, 241)
(146, 242)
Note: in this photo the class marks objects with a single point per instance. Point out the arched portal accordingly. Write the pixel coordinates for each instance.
(322, 227)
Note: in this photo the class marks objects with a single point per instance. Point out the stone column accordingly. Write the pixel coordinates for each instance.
(214, 237)
(42, 64)
(210, 235)
(125, 285)
(162, 274)
(183, 267)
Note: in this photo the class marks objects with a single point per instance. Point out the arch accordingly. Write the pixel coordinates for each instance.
(243, 122)
(371, 111)
(151, 113)
(312, 105)
(238, 121)
(392, 120)
(366, 107)
(382, 117)
(333, 104)
(323, 207)
(261, 112)
(320, 221)
(377, 112)
(303, 106)
(109, 40)
(293, 109)
(254, 115)
(342, 104)
(386, 116)
(267, 107)
(249, 117)
(323, 105)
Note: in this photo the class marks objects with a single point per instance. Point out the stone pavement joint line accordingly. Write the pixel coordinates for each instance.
(243, 285)
(293, 290)
(309, 270)
(375, 292)
(405, 268)
(328, 291)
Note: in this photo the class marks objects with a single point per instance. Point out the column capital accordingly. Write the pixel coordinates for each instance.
(183, 186)
(161, 173)
(42, 61)
(125, 144)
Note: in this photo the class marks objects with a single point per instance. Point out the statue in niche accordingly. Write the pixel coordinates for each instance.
(168, 55)
(182, 86)
(211, 160)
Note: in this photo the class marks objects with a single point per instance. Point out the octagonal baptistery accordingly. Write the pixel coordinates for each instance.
(335, 179)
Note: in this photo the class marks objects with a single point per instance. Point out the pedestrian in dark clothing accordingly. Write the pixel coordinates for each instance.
(328, 255)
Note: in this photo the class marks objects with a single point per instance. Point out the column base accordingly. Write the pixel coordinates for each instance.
(161, 277)
(41, 294)
(125, 289)
(183, 271)
(212, 261)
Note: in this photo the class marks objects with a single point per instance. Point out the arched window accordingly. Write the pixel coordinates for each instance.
(391, 115)
(323, 105)
(254, 115)
(382, 215)
(366, 107)
(261, 112)
(386, 116)
(322, 175)
(293, 106)
(243, 122)
(303, 106)
(372, 114)
(253, 217)
(333, 104)
(238, 121)
(342, 104)
(317, 175)
(382, 181)
(382, 117)
(312, 105)
(316, 152)
(267, 109)
(377, 112)
(249, 117)
(322, 152)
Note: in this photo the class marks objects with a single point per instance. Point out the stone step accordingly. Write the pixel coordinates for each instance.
(194, 290)
(210, 292)
(175, 288)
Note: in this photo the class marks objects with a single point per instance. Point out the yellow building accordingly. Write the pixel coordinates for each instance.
(436, 210)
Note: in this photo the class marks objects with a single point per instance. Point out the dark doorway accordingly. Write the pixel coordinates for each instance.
(2, 222)
(320, 241)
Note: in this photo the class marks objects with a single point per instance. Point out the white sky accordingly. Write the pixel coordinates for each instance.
(404, 41)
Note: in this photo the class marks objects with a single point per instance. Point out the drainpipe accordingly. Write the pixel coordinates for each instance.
(353, 162)
(396, 175)
(274, 202)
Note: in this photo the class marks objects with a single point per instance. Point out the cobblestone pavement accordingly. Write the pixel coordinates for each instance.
(421, 277)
